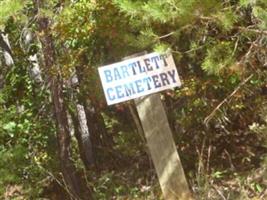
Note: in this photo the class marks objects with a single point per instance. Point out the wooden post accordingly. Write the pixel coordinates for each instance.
(162, 147)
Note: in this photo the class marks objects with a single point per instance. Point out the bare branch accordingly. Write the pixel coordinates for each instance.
(264, 32)
(167, 35)
(211, 115)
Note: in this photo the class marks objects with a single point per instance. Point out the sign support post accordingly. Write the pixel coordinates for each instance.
(133, 79)
(161, 146)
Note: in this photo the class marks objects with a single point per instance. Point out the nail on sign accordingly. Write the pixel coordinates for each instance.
(138, 77)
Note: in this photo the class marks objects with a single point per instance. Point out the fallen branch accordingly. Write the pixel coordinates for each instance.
(211, 115)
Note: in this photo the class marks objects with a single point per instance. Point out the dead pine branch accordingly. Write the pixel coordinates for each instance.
(212, 114)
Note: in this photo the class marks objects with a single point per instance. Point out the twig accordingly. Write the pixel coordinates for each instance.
(248, 54)
(211, 115)
(230, 159)
(195, 49)
(264, 32)
(167, 35)
(236, 44)
(219, 192)
(63, 185)
(173, 32)
(208, 159)
(201, 153)
(68, 190)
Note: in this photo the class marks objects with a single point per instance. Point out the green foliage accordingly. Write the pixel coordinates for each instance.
(26, 132)
(261, 14)
(246, 2)
(161, 47)
(227, 19)
(171, 11)
(212, 45)
(132, 8)
(218, 57)
(9, 8)
(209, 48)
(109, 185)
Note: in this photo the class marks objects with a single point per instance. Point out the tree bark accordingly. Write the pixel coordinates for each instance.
(5, 46)
(72, 181)
(7, 55)
(95, 121)
(26, 41)
(63, 137)
(82, 132)
(85, 140)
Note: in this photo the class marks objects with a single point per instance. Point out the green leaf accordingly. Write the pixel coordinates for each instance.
(261, 14)
(246, 3)
(161, 47)
(227, 19)
(217, 174)
(258, 187)
(10, 126)
(218, 57)
(9, 8)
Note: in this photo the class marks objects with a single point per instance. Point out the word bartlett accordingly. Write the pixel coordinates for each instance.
(134, 68)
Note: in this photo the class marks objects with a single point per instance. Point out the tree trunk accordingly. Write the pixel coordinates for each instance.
(7, 55)
(72, 181)
(82, 132)
(5, 46)
(85, 140)
(63, 137)
(95, 121)
(34, 70)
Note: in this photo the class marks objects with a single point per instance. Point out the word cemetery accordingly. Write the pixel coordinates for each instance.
(138, 76)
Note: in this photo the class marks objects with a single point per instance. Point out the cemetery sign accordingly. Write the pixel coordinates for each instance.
(139, 76)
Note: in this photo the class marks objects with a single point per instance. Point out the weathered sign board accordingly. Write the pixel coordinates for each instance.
(139, 76)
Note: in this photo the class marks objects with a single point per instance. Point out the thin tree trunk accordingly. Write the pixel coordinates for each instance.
(85, 140)
(34, 70)
(63, 137)
(9, 62)
(84, 143)
(5, 46)
(72, 181)
(7, 55)
(95, 121)
(82, 132)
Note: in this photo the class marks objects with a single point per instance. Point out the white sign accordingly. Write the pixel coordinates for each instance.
(138, 76)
